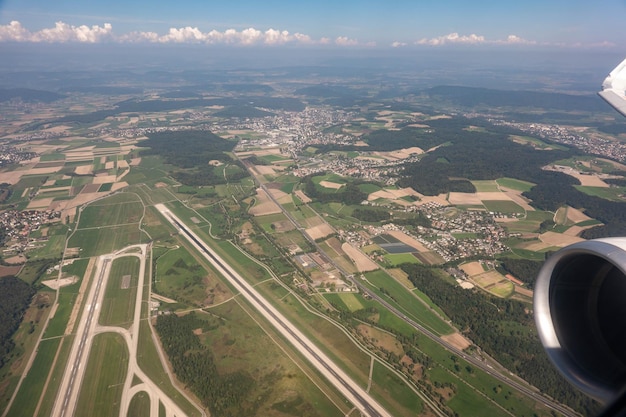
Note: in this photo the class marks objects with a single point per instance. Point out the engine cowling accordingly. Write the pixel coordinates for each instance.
(580, 311)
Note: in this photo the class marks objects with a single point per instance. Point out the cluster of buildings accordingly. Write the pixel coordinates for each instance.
(16, 227)
(12, 155)
(608, 148)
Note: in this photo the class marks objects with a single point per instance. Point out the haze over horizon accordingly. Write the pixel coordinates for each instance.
(350, 24)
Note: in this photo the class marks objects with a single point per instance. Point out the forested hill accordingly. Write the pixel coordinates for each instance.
(28, 95)
(488, 153)
(472, 96)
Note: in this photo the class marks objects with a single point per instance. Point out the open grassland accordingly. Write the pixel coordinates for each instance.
(287, 381)
(49, 395)
(348, 301)
(611, 193)
(51, 248)
(180, 277)
(101, 390)
(398, 294)
(58, 323)
(514, 184)
(139, 405)
(118, 304)
(393, 393)
(99, 241)
(32, 387)
(110, 214)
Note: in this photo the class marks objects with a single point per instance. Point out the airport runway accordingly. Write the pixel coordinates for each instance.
(355, 394)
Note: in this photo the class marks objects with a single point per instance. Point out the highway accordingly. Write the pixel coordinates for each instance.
(521, 387)
(355, 394)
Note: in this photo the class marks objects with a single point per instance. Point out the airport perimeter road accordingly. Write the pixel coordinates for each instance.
(67, 398)
(498, 374)
(355, 394)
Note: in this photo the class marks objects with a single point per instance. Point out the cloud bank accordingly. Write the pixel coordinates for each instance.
(66, 33)
(63, 32)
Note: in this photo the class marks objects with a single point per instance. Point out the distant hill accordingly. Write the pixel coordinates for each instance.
(471, 97)
(28, 95)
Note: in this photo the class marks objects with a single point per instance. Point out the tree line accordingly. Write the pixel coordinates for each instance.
(505, 329)
(194, 365)
(15, 297)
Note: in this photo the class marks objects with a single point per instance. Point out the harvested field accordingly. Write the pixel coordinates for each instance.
(9, 270)
(135, 162)
(576, 215)
(487, 279)
(300, 194)
(472, 268)
(589, 180)
(14, 260)
(319, 231)
(90, 188)
(363, 262)
(332, 185)
(536, 246)
(103, 179)
(119, 185)
(84, 170)
(265, 169)
(263, 205)
(558, 239)
(457, 340)
(40, 203)
(12, 177)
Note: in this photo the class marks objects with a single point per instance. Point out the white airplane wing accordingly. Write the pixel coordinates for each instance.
(614, 88)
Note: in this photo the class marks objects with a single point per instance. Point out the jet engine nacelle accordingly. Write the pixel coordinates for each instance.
(580, 310)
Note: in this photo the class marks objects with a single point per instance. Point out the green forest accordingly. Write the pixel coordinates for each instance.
(194, 365)
(504, 329)
(15, 297)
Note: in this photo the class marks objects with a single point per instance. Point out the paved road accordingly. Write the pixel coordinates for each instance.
(521, 387)
(355, 394)
(67, 398)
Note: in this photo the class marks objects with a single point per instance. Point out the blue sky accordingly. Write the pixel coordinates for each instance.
(367, 23)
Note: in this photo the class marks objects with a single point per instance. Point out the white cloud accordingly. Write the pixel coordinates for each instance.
(61, 32)
(398, 44)
(452, 38)
(14, 32)
(345, 41)
(472, 39)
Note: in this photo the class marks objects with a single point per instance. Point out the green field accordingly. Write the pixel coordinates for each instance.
(515, 184)
(396, 259)
(179, 276)
(111, 214)
(118, 304)
(486, 186)
(102, 386)
(607, 193)
(32, 386)
(503, 206)
(102, 240)
(407, 301)
(351, 302)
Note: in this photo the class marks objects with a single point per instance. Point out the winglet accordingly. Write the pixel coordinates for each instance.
(614, 88)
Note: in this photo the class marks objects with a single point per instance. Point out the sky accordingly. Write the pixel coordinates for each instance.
(587, 24)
